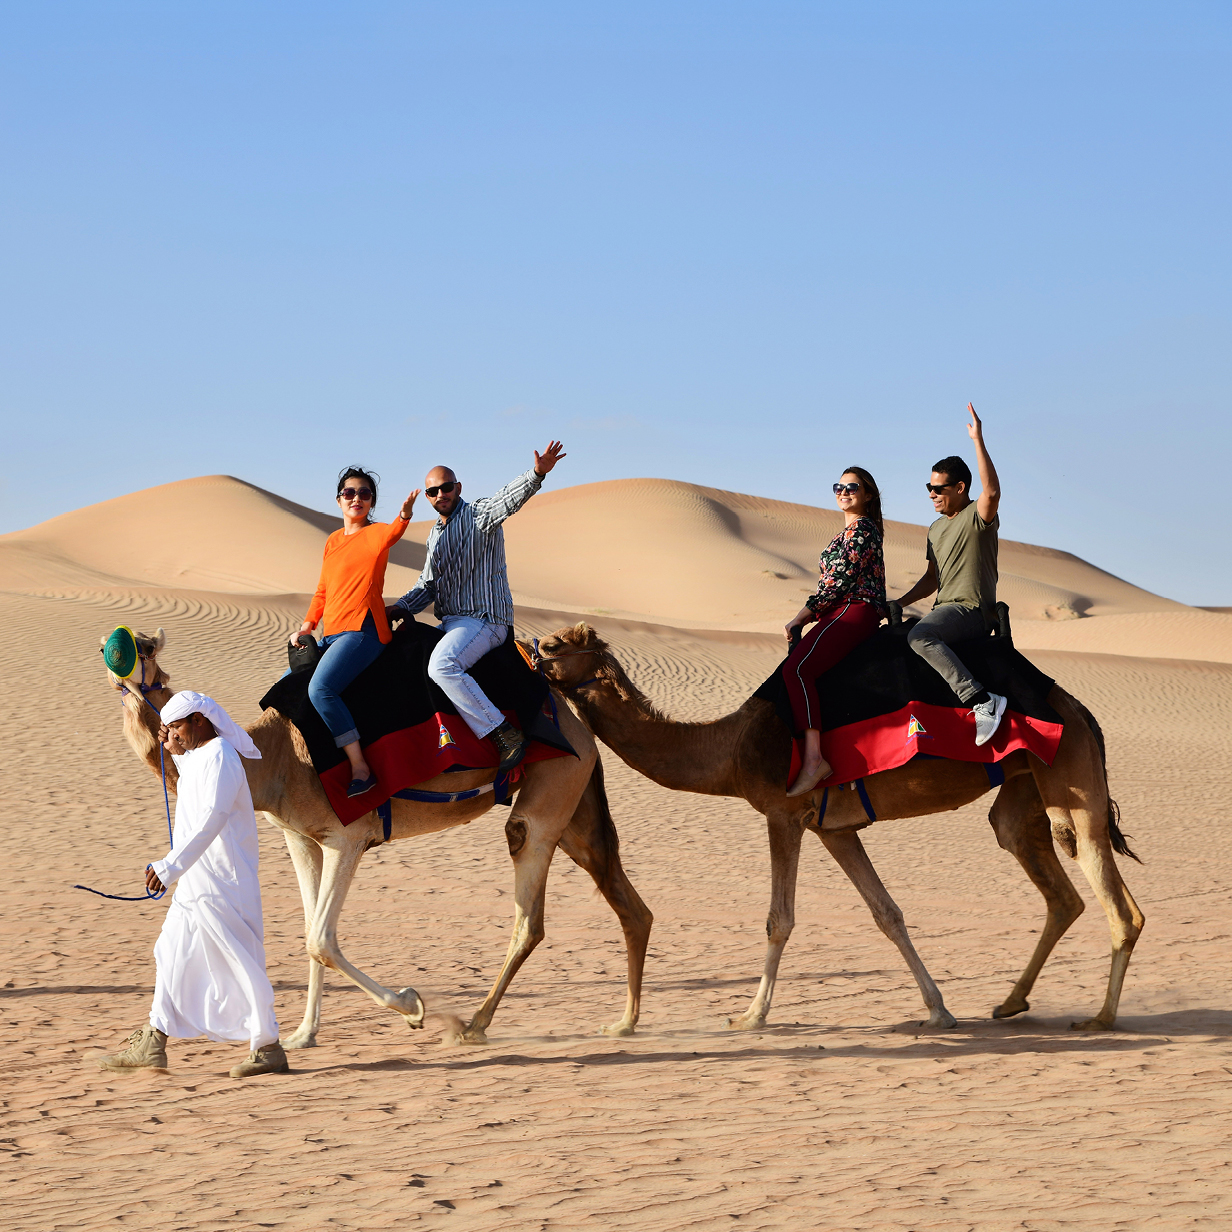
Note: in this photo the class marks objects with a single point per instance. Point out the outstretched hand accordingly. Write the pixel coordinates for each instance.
(548, 458)
(975, 429)
(408, 505)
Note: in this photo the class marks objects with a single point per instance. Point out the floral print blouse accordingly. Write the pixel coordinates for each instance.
(852, 567)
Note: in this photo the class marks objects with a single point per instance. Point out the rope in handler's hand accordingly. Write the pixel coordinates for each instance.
(121, 657)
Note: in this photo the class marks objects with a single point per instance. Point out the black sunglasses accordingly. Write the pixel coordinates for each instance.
(430, 493)
(352, 493)
(849, 488)
(936, 489)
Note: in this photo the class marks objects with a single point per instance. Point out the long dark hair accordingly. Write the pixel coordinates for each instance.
(369, 477)
(872, 509)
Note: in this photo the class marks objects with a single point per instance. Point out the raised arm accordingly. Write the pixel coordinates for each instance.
(491, 511)
(990, 486)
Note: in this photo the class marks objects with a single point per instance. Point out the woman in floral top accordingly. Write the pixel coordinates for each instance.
(849, 604)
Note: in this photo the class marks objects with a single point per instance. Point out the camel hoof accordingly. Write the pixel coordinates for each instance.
(747, 1023)
(942, 1019)
(1007, 1009)
(300, 1039)
(1091, 1024)
(472, 1035)
(617, 1029)
(414, 1008)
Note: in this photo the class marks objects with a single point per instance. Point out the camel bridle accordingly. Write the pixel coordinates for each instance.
(538, 660)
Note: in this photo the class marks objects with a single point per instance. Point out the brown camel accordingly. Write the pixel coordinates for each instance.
(560, 802)
(746, 754)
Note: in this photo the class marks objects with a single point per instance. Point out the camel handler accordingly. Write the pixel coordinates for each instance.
(210, 955)
(962, 569)
(465, 576)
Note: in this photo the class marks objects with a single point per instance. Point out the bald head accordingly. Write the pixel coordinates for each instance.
(440, 477)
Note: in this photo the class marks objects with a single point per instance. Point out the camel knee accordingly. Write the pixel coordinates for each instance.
(779, 928)
(889, 918)
(323, 948)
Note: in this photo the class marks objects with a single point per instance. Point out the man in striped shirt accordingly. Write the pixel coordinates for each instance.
(466, 578)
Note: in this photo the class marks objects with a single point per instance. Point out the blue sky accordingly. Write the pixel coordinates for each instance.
(743, 245)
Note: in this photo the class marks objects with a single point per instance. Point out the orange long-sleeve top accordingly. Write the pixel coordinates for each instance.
(353, 576)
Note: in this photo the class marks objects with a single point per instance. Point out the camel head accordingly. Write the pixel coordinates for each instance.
(148, 672)
(572, 654)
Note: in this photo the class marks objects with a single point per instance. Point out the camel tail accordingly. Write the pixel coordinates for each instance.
(1119, 839)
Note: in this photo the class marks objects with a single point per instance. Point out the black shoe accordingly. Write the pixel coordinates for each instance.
(510, 745)
(359, 786)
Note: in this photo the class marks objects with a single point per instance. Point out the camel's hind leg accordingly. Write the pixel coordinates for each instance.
(532, 850)
(848, 851)
(785, 834)
(341, 856)
(1074, 790)
(591, 841)
(306, 856)
(1021, 825)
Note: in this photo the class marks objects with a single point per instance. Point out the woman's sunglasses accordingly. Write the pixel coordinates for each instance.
(848, 489)
(352, 493)
(430, 493)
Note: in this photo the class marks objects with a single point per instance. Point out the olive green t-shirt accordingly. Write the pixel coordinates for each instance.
(964, 549)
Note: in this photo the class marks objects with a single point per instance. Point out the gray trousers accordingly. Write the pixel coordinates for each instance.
(931, 638)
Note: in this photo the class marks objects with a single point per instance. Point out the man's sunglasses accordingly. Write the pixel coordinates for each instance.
(935, 489)
(430, 493)
(849, 489)
(352, 493)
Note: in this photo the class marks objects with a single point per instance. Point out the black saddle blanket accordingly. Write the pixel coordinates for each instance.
(409, 729)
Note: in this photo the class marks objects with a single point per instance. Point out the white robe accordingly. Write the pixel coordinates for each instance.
(210, 955)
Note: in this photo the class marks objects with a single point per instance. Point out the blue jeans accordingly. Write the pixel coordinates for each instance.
(466, 641)
(346, 655)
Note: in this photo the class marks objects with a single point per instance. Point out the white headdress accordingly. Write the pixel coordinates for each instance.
(187, 702)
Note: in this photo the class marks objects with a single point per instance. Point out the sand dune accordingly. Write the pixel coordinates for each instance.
(841, 1114)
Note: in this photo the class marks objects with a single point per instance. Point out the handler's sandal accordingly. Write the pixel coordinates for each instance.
(359, 786)
(988, 717)
(510, 745)
(147, 1049)
(267, 1060)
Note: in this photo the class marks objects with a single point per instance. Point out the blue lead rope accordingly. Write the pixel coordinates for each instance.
(162, 766)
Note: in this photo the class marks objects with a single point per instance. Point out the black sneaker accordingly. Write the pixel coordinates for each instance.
(359, 786)
(510, 745)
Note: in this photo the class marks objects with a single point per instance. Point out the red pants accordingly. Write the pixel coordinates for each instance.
(838, 631)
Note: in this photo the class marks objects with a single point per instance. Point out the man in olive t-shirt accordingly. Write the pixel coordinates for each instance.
(962, 569)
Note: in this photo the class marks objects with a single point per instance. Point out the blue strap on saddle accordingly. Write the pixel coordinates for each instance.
(385, 812)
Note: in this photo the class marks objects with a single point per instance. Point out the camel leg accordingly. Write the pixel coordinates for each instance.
(591, 842)
(306, 856)
(1021, 826)
(785, 834)
(848, 852)
(340, 859)
(532, 857)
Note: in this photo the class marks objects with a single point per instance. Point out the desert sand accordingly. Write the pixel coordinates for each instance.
(843, 1113)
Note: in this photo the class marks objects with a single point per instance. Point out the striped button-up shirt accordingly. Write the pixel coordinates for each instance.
(465, 573)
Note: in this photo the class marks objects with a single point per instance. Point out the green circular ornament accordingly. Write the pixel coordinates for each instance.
(120, 652)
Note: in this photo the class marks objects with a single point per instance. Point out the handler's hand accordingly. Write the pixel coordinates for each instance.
(548, 458)
(408, 505)
(152, 882)
(975, 429)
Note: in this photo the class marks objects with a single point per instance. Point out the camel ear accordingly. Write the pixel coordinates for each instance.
(583, 634)
(160, 640)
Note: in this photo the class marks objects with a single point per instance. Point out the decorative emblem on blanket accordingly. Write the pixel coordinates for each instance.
(445, 738)
(915, 729)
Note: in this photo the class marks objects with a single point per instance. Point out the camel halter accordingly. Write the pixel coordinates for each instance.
(538, 660)
(144, 690)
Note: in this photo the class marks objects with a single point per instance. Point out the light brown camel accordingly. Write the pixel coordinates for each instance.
(746, 754)
(560, 802)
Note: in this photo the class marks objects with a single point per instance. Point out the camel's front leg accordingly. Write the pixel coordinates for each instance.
(306, 856)
(341, 856)
(532, 857)
(848, 852)
(785, 834)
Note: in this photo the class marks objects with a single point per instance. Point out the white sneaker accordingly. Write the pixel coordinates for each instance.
(988, 717)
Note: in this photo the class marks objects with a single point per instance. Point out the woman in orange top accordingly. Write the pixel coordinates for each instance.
(349, 599)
